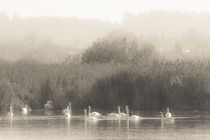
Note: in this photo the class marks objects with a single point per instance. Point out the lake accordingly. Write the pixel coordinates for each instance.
(55, 126)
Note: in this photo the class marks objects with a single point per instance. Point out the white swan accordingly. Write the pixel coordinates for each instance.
(127, 111)
(115, 114)
(95, 114)
(24, 110)
(168, 114)
(133, 117)
(68, 113)
(169, 120)
(90, 116)
(122, 115)
(10, 114)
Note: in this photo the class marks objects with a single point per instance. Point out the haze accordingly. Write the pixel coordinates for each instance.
(111, 10)
(55, 29)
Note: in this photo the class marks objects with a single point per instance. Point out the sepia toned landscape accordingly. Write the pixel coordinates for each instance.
(56, 71)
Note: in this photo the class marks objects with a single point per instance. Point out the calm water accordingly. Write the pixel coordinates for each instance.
(39, 126)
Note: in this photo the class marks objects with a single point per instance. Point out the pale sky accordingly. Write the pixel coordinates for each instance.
(100, 9)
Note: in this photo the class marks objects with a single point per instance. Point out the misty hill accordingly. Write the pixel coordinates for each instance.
(52, 39)
(64, 31)
(166, 23)
(47, 39)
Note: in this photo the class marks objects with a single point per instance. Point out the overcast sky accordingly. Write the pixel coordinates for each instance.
(101, 9)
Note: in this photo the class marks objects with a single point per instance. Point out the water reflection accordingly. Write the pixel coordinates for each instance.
(48, 112)
(68, 124)
(128, 127)
(58, 126)
(119, 124)
(167, 122)
(11, 122)
(162, 124)
(85, 125)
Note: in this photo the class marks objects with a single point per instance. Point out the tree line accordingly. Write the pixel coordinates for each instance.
(111, 72)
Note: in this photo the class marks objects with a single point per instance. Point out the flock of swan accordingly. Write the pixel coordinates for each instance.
(96, 115)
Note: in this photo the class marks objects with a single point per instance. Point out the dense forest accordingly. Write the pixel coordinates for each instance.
(114, 70)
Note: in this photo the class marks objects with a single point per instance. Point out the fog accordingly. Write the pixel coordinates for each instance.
(52, 39)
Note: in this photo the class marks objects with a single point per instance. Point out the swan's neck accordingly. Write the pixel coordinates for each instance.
(167, 109)
(119, 110)
(89, 110)
(127, 112)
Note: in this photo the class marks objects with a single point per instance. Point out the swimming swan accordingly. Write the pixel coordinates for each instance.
(89, 117)
(168, 114)
(95, 114)
(133, 117)
(115, 114)
(122, 115)
(168, 120)
(24, 110)
(68, 113)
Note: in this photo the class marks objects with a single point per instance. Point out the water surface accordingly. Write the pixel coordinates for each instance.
(54, 126)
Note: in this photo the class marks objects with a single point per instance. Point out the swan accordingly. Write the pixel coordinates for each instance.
(68, 113)
(133, 117)
(67, 109)
(90, 117)
(168, 114)
(127, 111)
(24, 109)
(10, 114)
(168, 120)
(95, 114)
(122, 115)
(115, 114)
